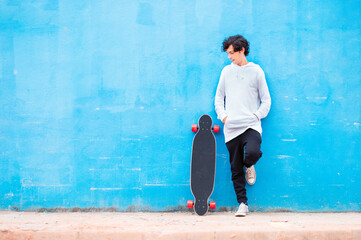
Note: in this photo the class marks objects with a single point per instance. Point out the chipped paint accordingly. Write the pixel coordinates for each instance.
(283, 156)
(113, 189)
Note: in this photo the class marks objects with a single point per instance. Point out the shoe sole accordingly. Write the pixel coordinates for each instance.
(251, 183)
(240, 214)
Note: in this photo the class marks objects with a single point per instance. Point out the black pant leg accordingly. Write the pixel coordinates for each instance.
(235, 149)
(252, 147)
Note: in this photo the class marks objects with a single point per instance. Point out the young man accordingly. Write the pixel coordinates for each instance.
(242, 100)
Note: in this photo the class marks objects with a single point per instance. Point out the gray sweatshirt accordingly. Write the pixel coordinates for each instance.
(242, 93)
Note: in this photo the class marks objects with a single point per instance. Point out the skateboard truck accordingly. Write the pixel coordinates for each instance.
(212, 204)
(215, 128)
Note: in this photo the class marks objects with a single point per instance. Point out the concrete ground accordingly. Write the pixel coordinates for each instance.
(178, 225)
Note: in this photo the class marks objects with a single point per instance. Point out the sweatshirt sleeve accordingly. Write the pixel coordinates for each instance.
(220, 98)
(264, 96)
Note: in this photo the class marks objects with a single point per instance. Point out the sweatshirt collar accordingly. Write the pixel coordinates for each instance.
(247, 65)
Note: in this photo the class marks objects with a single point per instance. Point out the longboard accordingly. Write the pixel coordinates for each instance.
(203, 165)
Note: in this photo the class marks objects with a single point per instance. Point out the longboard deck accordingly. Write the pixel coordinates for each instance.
(203, 165)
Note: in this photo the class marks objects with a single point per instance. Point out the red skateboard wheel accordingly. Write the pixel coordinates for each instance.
(212, 205)
(190, 204)
(216, 128)
(194, 127)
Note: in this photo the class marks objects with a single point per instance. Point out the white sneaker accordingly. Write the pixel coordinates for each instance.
(251, 175)
(242, 210)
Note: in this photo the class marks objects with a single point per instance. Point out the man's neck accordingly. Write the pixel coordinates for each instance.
(243, 62)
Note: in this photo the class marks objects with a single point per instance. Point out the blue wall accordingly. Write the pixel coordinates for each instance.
(97, 99)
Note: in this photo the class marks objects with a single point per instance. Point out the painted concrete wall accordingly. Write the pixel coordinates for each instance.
(97, 99)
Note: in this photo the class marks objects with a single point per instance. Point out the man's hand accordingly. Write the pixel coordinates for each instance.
(224, 120)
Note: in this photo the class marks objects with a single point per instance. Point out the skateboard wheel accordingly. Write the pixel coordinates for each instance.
(212, 205)
(190, 204)
(216, 128)
(194, 127)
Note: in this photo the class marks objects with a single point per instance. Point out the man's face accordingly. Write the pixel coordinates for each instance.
(235, 57)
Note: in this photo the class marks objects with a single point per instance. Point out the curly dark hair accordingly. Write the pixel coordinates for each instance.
(238, 42)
